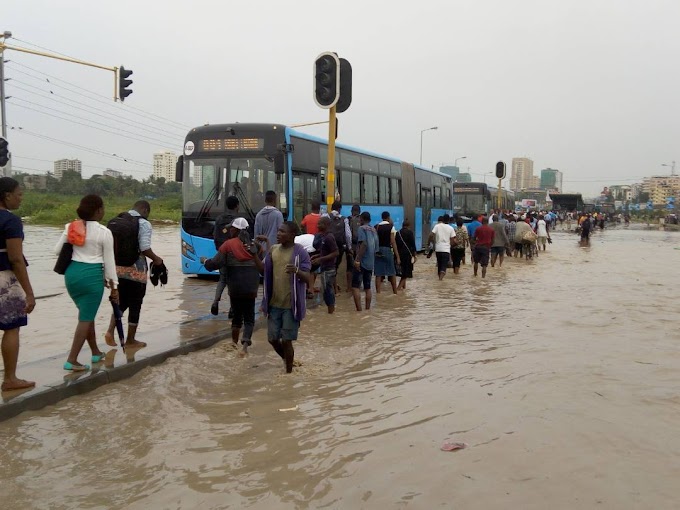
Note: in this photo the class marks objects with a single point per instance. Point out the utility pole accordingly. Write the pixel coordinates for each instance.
(7, 171)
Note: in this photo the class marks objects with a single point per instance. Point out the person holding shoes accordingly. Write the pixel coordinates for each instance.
(92, 264)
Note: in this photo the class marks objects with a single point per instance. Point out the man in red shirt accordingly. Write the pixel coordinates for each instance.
(311, 222)
(484, 236)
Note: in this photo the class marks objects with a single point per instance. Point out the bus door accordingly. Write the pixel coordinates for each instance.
(305, 191)
(426, 201)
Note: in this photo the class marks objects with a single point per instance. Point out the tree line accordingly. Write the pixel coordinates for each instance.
(73, 183)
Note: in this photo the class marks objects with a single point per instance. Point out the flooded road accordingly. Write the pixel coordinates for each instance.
(562, 375)
(50, 327)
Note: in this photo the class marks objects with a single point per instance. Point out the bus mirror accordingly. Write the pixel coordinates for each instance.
(179, 169)
(280, 163)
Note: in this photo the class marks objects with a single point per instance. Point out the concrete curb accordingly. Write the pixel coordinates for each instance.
(52, 393)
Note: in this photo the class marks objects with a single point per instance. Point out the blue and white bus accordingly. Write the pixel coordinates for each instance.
(247, 160)
(473, 198)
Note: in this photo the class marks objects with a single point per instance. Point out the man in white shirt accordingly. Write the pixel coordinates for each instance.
(542, 232)
(442, 235)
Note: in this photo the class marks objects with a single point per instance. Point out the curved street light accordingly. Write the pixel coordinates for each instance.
(421, 141)
(455, 162)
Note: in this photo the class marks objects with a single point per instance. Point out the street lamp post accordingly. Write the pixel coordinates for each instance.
(421, 141)
(672, 165)
(455, 163)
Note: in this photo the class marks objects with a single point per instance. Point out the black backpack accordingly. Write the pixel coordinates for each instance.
(221, 232)
(125, 230)
(338, 230)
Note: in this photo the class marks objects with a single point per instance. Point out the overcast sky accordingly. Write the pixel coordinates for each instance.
(589, 87)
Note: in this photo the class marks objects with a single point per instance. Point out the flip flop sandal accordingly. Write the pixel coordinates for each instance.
(75, 368)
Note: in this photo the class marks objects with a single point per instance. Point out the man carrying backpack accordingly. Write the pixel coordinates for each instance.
(132, 246)
(342, 233)
(221, 233)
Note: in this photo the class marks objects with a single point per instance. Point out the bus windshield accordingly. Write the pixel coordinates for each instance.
(468, 203)
(208, 181)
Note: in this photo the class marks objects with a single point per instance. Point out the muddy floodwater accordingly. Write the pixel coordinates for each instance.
(562, 376)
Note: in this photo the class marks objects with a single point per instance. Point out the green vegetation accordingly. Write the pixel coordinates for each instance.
(57, 204)
(56, 209)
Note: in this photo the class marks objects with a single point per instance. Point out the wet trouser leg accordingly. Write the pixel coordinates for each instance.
(221, 284)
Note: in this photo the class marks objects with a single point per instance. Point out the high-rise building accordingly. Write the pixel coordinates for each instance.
(522, 176)
(63, 165)
(551, 179)
(164, 165)
(661, 187)
(113, 173)
(451, 171)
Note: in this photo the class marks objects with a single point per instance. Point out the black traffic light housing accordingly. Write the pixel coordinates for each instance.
(345, 98)
(124, 83)
(4, 151)
(327, 80)
(500, 170)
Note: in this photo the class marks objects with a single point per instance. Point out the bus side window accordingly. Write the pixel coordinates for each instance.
(395, 191)
(383, 190)
(370, 189)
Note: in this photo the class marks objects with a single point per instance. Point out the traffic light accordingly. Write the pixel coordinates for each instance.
(326, 80)
(124, 83)
(500, 170)
(4, 151)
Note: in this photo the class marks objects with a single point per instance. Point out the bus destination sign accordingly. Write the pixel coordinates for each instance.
(467, 189)
(232, 144)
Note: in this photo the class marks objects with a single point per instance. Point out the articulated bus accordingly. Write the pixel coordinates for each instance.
(247, 160)
(472, 198)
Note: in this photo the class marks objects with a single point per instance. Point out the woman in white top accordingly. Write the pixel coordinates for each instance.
(92, 263)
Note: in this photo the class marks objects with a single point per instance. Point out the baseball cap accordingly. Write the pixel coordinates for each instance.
(239, 223)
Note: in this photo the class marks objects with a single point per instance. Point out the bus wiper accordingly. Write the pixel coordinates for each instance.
(207, 204)
(240, 194)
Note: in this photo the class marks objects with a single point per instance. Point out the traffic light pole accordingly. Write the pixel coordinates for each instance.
(4, 47)
(498, 194)
(330, 178)
(7, 171)
(2, 93)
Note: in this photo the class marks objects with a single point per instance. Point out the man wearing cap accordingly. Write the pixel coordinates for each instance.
(242, 258)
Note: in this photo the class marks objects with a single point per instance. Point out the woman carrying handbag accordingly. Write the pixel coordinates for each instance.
(406, 246)
(92, 265)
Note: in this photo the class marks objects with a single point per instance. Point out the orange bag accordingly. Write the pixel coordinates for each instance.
(76, 233)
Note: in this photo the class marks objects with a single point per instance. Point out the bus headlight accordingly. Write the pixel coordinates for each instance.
(188, 250)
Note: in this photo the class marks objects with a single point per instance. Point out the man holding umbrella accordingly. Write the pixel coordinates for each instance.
(132, 279)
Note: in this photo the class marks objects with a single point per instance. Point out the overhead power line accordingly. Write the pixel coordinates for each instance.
(14, 158)
(165, 141)
(20, 129)
(48, 94)
(108, 100)
(137, 138)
